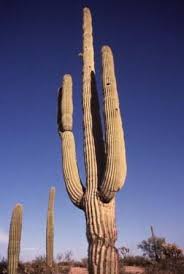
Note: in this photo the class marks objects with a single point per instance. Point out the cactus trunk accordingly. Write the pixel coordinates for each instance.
(105, 160)
(50, 229)
(101, 235)
(14, 239)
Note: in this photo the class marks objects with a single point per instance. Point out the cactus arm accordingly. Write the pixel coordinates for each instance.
(70, 170)
(71, 175)
(93, 136)
(115, 170)
(50, 228)
(14, 239)
(88, 68)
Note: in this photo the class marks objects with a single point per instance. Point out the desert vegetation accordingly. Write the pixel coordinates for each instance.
(105, 161)
(12, 265)
(158, 256)
(170, 260)
(105, 165)
(50, 229)
(14, 239)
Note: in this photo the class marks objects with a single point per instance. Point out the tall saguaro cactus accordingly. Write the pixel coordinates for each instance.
(50, 228)
(105, 160)
(14, 239)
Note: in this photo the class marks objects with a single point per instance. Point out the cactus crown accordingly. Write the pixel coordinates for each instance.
(105, 160)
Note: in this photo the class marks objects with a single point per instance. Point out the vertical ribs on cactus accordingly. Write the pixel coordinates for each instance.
(14, 239)
(50, 228)
(105, 160)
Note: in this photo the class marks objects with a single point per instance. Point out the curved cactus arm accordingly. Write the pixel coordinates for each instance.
(115, 170)
(70, 169)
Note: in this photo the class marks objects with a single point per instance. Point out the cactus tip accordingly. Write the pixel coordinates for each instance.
(86, 9)
(19, 205)
(67, 77)
(106, 49)
(53, 188)
(87, 14)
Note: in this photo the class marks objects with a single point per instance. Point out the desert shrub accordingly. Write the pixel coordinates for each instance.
(123, 251)
(3, 266)
(165, 258)
(37, 266)
(78, 264)
(84, 262)
(135, 261)
(66, 258)
(122, 270)
(172, 251)
(130, 260)
(166, 267)
(64, 269)
(153, 248)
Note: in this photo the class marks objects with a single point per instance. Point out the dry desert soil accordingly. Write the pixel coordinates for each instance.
(128, 269)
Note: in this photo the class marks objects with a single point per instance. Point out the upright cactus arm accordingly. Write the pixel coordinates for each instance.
(115, 170)
(88, 68)
(14, 239)
(71, 175)
(93, 137)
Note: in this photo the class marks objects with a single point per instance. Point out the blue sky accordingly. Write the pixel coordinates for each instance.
(40, 42)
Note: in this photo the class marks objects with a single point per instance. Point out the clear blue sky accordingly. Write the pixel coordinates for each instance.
(40, 41)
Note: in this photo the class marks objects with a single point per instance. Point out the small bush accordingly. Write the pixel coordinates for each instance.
(135, 261)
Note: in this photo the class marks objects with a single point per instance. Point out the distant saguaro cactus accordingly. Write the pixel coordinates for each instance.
(50, 228)
(105, 161)
(14, 239)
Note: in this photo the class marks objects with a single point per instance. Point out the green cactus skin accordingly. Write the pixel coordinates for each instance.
(50, 228)
(105, 160)
(14, 239)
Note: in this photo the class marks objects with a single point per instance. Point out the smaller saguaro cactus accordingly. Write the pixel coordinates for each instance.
(50, 228)
(14, 239)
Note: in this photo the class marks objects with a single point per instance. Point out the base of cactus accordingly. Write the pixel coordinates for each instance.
(102, 258)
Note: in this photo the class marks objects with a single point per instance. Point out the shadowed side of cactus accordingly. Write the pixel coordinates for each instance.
(14, 239)
(50, 228)
(105, 160)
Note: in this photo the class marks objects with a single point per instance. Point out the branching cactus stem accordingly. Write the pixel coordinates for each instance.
(105, 160)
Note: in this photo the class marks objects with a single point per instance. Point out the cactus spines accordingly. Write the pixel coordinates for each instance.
(50, 228)
(105, 161)
(14, 239)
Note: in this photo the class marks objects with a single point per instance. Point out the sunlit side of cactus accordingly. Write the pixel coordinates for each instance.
(14, 239)
(105, 160)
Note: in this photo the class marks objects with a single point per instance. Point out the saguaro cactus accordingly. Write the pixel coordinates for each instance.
(105, 161)
(14, 239)
(50, 228)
